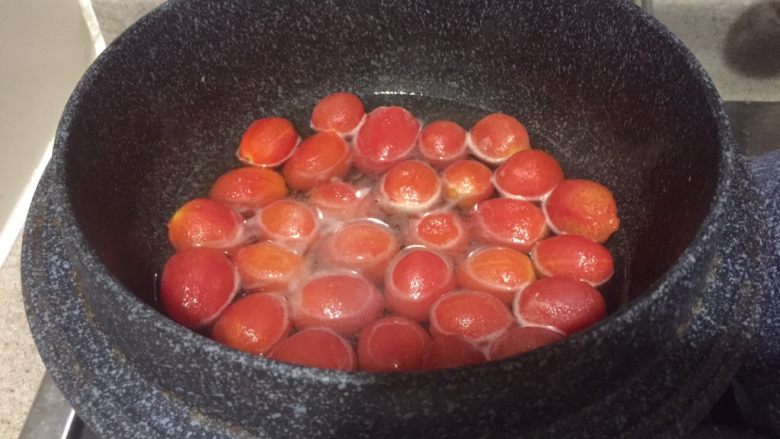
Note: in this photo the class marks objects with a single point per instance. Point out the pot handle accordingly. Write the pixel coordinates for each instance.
(757, 386)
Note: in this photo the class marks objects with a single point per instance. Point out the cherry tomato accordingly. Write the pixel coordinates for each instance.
(196, 286)
(441, 230)
(248, 188)
(500, 271)
(415, 279)
(410, 186)
(388, 136)
(289, 223)
(467, 182)
(341, 113)
(520, 340)
(365, 246)
(565, 304)
(582, 207)
(205, 223)
(267, 266)
(392, 344)
(474, 315)
(575, 257)
(336, 199)
(316, 347)
(254, 323)
(319, 158)
(528, 175)
(341, 300)
(496, 137)
(449, 351)
(442, 142)
(268, 142)
(512, 223)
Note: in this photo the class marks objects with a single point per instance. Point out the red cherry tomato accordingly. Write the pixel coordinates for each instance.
(196, 286)
(450, 351)
(520, 340)
(319, 158)
(500, 271)
(248, 188)
(574, 257)
(442, 142)
(496, 137)
(205, 223)
(365, 246)
(467, 182)
(336, 199)
(528, 175)
(267, 266)
(441, 230)
(388, 136)
(415, 279)
(565, 304)
(254, 323)
(339, 112)
(392, 344)
(268, 142)
(582, 207)
(316, 347)
(476, 316)
(511, 223)
(410, 186)
(289, 223)
(340, 300)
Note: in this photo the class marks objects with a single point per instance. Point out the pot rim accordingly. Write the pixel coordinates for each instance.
(708, 229)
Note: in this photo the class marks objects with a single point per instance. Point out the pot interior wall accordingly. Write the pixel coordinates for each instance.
(594, 85)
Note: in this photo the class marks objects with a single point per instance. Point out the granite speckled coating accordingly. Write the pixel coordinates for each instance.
(598, 83)
(759, 378)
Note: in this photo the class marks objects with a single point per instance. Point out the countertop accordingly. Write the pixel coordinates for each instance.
(701, 24)
(20, 367)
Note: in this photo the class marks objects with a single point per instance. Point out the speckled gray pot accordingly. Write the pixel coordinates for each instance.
(598, 83)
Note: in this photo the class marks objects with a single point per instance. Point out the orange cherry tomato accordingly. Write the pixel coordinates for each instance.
(254, 323)
(467, 182)
(582, 207)
(205, 223)
(474, 315)
(248, 188)
(268, 142)
(339, 112)
(500, 271)
(497, 136)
